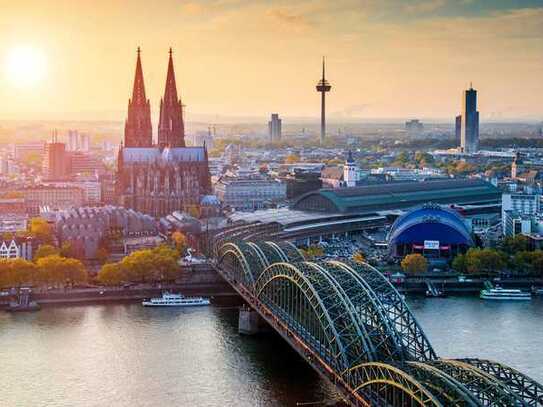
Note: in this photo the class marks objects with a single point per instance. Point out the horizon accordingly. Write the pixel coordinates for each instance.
(385, 60)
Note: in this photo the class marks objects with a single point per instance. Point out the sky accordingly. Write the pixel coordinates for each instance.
(385, 58)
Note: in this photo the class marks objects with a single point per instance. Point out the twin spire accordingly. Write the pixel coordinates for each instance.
(171, 129)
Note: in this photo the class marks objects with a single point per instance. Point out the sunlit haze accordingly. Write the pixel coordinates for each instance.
(387, 58)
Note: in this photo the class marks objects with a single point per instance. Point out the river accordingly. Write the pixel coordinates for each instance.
(127, 355)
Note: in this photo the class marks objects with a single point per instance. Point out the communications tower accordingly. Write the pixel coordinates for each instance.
(323, 86)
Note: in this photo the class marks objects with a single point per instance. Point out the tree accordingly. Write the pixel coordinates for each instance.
(165, 263)
(414, 263)
(41, 230)
(57, 270)
(67, 250)
(460, 264)
(484, 260)
(358, 257)
(46, 250)
(139, 265)
(16, 272)
(180, 241)
(313, 251)
(110, 274)
(292, 159)
(514, 244)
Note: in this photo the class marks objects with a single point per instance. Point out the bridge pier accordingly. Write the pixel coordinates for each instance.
(250, 322)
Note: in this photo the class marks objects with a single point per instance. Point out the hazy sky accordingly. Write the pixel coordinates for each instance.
(386, 58)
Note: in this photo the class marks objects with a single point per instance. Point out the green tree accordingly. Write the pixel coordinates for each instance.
(460, 264)
(514, 244)
(485, 260)
(414, 263)
(45, 250)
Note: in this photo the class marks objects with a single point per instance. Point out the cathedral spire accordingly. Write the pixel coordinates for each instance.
(137, 130)
(171, 128)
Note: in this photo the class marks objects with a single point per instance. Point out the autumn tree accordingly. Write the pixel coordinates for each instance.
(16, 272)
(180, 241)
(45, 250)
(41, 230)
(313, 251)
(358, 257)
(292, 159)
(56, 270)
(111, 274)
(414, 263)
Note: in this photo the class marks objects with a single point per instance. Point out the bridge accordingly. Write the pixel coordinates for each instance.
(354, 328)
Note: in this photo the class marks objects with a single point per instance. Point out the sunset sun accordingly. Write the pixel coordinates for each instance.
(25, 66)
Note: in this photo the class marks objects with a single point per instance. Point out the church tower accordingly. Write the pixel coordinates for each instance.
(350, 173)
(171, 129)
(137, 128)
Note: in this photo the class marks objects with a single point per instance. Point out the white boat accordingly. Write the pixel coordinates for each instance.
(175, 300)
(499, 293)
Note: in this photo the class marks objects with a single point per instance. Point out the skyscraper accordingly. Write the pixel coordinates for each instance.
(469, 135)
(323, 87)
(274, 128)
(458, 130)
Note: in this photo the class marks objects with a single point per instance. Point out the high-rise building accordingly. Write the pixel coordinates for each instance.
(274, 128)
(159, 179)
(55, 162)
(78, 141)
(458, 130)
(323, 87)
(469, 134)
(137, 128)
(414, 128)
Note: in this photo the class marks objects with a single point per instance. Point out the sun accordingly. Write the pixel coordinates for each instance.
(25, 66)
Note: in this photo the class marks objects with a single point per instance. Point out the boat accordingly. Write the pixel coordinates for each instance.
(175, 300)
(500, 293)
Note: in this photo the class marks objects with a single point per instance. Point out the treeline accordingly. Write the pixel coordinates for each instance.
(53, 270)
(142, 266)
(513, 255)
(512, 143)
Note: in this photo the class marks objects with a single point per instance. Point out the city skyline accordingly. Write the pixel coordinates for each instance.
(386, 59)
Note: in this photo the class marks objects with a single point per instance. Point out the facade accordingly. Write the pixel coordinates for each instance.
(469, 134)
(86, 228)
(520, 212)
(55, 162)
(458, 130)
(18, 248)
(274, 128)
(159, 179)
(249, 193)
(78, 141)
(84, 163)
(339, 177)
(53, 197)
(433, 231)
(23, 151)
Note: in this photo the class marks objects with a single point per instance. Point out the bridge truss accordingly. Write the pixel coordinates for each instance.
(354, 328)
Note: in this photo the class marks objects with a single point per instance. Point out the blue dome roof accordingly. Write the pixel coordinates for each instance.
(430, 222)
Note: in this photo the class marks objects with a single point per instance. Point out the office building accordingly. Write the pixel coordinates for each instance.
(274, 128)
(469, 126)
(55, 162)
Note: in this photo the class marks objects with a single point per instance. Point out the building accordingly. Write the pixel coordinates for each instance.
(458, 130)
(380, 198)
(16, 248)
(52, 197)
(414, 128)
(55, 163)
(520, 212)
(22, 152)
(13, 217)
(250, 193)
(86, 228)
(159, 179)
(469, 126)
(232, 154)
(301, 182)
(435, 232)
(85, 163)
(78, 141)
(274, 128)
(338, 177)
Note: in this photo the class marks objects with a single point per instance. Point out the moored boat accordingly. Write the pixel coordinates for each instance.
(500, 293)
(175, 300)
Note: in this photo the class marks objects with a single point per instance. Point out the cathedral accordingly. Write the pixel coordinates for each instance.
(160, 178)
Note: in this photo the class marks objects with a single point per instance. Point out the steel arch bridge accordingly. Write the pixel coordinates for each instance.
(354, 328)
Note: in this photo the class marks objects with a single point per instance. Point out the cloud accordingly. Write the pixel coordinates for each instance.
(424, 7)
(289, 20)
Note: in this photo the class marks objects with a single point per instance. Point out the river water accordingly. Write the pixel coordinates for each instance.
(127, 355)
